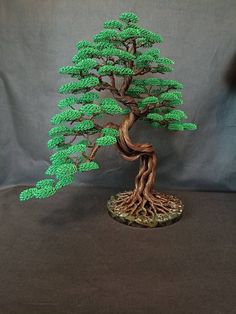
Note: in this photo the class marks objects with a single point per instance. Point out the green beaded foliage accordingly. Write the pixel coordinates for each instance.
(113, 24)
(44, 183)
(110, 131)
(150, 100)
(88, 166)
(77, 148)
(27, 194)
(64, 182)
(117, 70)
(88, 97)
(110, 106)
(83, 65)
(52, 143)
(106, 140)
(84, 126)
(43, 192)
(68, 115)
(83, 84)
(90, 109)
(175, 115)
(155, 117)
(121, 52)
(59, 130)
(128, 17)
(69, 101)
(65, 170)
(190, 126)
(114, 52)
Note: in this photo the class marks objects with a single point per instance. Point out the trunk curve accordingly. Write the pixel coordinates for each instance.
(145, 178)
(142, 206)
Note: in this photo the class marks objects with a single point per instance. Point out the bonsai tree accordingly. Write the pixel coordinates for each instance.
(109, 82)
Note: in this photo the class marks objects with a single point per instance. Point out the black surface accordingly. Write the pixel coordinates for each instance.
(67, 255)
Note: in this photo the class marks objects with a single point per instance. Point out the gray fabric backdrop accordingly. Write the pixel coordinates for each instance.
(37, 37)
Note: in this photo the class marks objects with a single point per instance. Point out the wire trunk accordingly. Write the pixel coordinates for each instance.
(143, 205)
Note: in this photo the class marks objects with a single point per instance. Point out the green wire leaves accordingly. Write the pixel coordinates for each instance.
(88, 97)
(43, 192)
(83, 84)
(128, 17)
(68, 115)
(155, 117)
(110, 106)
(175, 115)
(66, 102)
(27, 194)
(117, 70)
(115, 60)
(52, 143)
(65, 170)
(90, 109)
(121, 54)
(88, 166)
(110, 132)
(84, 126)
(189, 126)
(150, 100)
(106, 140)
(113, 24)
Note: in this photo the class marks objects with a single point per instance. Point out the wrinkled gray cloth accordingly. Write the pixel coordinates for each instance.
(68, 256)
(37, 37)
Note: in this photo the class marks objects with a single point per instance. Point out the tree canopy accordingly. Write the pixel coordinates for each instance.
(115, 60)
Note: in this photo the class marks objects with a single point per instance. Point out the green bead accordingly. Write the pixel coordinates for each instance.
(69, 101)
(90, 109)
(68, 115)
(106, 140)
(55, 141)
(155, 117)
(65, 170)
(117, 70)
(128, 17)
(175, 126)
(45, 182)
(51, 170)
(64, 181)
(113, 24)
(110, 131)
(84, 44)
(59, 157)
(110, 106)
(84, 126)
(88, 166)
(150, 100)
(77, 148)
(168, 96)
(83, 84)
(189, 126)
(88, 97)
(107, 34)
(45, 192)
(27, 194)
(175, 115)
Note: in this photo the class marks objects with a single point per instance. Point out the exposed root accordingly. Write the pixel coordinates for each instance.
(150, 210)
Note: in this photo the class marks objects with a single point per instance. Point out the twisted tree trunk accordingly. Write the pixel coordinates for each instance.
(144, 181)
(143, 204)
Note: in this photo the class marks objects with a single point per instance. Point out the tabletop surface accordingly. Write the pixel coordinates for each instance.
(66, 255)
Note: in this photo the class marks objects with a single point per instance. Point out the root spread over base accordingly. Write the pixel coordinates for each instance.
(152, 210)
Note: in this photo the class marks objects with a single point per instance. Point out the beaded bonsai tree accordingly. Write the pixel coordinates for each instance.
(109, 81)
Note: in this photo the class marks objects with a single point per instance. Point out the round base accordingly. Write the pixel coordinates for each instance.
(175, 212)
